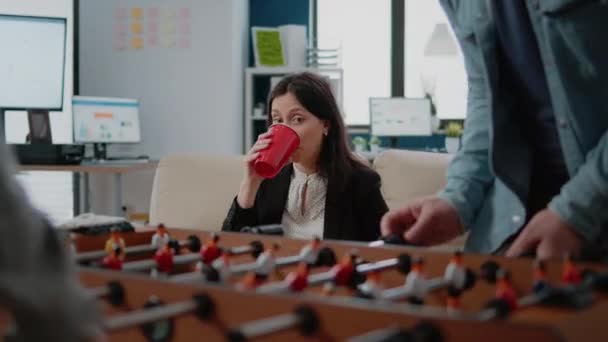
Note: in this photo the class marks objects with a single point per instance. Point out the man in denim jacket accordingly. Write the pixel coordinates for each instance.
(532, 174)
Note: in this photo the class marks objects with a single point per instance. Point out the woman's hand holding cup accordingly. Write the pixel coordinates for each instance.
(252, 180)
(263, 142)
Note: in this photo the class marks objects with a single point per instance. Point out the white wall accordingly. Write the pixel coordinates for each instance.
(61, 122)
(190, 102)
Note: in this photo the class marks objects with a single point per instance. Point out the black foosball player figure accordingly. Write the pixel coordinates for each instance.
(455, 273)
(505, 290)
(266, 263)
(540, 282)
(161, 237)
(310, 252)
(222, 266)
(416, 283)
(372, 287)
(453, 300)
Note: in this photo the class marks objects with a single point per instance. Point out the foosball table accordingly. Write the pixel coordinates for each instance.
(183, 285)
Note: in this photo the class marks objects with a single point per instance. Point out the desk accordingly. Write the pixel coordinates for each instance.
(117, 169)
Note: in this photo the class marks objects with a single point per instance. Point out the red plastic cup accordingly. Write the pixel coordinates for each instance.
(283, 142)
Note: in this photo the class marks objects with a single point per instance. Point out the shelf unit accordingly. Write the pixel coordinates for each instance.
(254, 93)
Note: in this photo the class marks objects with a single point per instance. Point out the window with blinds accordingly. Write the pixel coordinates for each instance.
(50, 192)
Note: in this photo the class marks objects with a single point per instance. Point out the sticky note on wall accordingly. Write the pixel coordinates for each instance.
(137, 13)
(136, 27)
(137, 43)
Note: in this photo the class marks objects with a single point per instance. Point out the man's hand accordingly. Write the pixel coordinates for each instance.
(425, 221)
(547, 235)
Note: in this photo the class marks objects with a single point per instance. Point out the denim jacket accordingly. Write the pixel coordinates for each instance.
(487, 188)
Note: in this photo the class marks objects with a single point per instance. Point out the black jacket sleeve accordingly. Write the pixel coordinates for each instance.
(369, 204)
(238, 217)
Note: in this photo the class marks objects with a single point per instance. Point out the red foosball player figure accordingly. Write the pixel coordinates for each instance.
(343, 273)
(344, 270)
(540, 276)
(211, 251)
(416, 283)
(298, 279)
(505, 290)
(115, 241)
(113, 261)
(570, 275)
(310, 252)
(161, 237)
(164, 259)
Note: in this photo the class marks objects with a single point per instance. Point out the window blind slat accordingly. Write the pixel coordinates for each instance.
(50, 192)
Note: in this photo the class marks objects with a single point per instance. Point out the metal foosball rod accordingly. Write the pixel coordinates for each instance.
(303, 318)
(424, 331)
(391, 239)
(113, 292)
(201, 305)
(577, 292)
(254, 248)
(402, 263)
(193, 244)
(456, 279)
(312, 253)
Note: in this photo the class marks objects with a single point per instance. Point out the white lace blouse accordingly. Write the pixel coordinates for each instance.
(304, 214)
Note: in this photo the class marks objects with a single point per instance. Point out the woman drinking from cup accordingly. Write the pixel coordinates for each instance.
(302, 174)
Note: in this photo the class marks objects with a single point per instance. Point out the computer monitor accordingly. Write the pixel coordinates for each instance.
(32, 65)
(399, 116)
(103, 120)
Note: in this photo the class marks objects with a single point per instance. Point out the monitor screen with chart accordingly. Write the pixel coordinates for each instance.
(399, 116)
(105, 120)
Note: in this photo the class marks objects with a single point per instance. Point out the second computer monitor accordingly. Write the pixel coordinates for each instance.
(399, 116)
(105, 120)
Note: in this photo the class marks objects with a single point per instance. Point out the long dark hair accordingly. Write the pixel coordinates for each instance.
(314, 93)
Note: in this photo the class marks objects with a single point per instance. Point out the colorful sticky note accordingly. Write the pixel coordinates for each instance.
(184, 13)
(167, 40)
(137, 43)
(168, 26)
(153, 40)
(153, 12)
(120, 13)
(184, 27)
(137, 13)
(153, 26)
(119, 43)
(184, 43)
(120, 28)
(136, 27)
(168, 13)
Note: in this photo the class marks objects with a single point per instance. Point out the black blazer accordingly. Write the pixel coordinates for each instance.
(352, 211)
